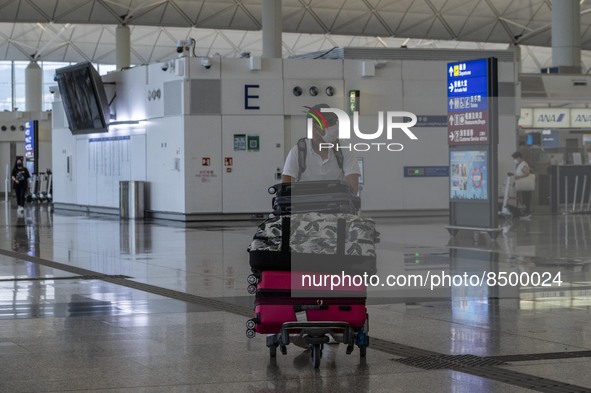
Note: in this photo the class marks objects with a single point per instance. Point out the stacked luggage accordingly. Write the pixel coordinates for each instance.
(314, 232)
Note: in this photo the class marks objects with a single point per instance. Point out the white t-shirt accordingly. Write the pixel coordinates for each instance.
(520, 170)
(319, 169)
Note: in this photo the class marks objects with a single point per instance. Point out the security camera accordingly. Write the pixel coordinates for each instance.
(164, 66)
(206, 62)
(185, 47)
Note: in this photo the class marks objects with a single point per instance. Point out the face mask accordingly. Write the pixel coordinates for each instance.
(19, 165)
(516, 161)
(331, 134)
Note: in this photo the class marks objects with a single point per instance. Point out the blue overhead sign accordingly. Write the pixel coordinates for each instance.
(468, 82)
(468, 69)
(467, 102)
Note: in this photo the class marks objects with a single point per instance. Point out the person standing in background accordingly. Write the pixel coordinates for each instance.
(20, 179)
(522, 171)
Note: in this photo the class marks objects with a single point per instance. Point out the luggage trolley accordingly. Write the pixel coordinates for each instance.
(344, 317)
(507, 210)
(49, 189)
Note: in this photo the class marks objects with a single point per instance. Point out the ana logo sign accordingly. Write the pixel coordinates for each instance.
(551, 118)
(344, 129)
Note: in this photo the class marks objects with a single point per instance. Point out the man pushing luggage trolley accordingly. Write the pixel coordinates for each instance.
(314, 229)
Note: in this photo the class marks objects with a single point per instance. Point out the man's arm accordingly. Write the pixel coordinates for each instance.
(287, 179)
(353, 181)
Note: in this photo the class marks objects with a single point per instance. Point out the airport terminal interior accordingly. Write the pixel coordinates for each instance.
(142, 257)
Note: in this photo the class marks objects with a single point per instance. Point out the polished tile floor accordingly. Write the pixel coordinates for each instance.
(93, 304)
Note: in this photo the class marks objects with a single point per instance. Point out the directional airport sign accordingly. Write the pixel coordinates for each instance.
(467, 102)
(29, 140)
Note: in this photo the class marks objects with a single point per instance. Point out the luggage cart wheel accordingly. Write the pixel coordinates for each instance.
(316, 355)
(283, 349)
(251, 279)
(251, 289)
(250, 333)
(250, 324)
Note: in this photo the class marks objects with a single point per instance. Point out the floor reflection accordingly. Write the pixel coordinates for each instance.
(308, 381)
(158, 334)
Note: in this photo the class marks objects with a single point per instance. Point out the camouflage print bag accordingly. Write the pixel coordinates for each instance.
(314, 233)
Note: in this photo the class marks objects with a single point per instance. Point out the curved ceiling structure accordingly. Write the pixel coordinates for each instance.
(76, 30)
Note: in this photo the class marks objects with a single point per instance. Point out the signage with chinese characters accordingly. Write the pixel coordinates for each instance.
(467, 102)
(472, 129)
(206, 176)
(29, 141)
(430, 121)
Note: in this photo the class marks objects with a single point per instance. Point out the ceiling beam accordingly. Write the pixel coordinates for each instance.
(438, 15)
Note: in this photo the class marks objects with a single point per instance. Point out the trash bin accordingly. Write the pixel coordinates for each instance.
(131, 199)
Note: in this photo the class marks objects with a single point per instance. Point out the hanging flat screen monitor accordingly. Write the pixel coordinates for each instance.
(84, 98)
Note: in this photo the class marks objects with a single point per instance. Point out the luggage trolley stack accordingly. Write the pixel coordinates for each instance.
(314, 232)
(41, 187)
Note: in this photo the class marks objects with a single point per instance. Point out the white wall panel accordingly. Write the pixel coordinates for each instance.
(203, 163)
(5, 162)
(295, 105)
(137, 168)
(240, 69)
(260, 95)
(86, 187)
(430, 149)
(382, 92)
(312, 69)
(64, 184)
(245, 185)
(130, 103)
(164, 148)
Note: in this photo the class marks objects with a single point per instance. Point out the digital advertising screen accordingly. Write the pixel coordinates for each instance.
(468, 175)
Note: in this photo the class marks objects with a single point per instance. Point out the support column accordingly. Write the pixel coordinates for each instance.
(516, 58)
(566, 34)
(272, 28)
(33, 87)
(123, 47)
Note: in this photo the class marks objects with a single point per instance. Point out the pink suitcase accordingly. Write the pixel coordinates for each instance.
(275, 303)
